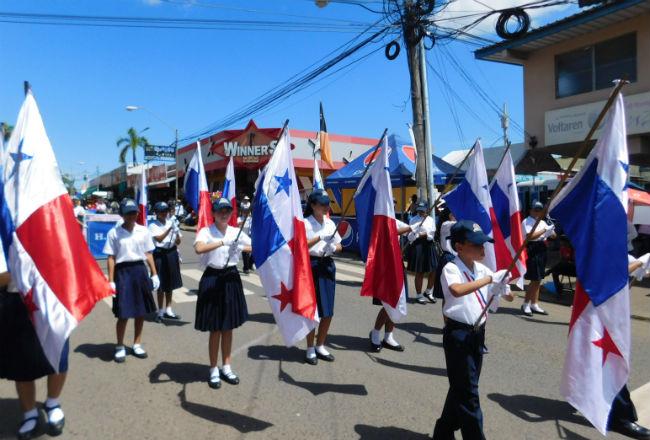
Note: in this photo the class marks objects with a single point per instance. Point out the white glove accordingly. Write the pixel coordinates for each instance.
(500, 277)
(113, 288)
(642, 271)
(227, 241)
(645, 259)
(415, 227)
(235, 248)
(412, 236)
(329, 249)
(548, 232)
(498, 290)
(156, 282)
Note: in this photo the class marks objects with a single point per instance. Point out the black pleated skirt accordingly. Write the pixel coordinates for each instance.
(324, 273)
(21, 354)
(536, 263)
(133, 298)
(169, 268)
(421, 256)
(221, 304)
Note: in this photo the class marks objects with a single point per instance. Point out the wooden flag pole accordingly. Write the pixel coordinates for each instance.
(583, 148)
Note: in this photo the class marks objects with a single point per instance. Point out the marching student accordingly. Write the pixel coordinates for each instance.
(22, 360)
(221, 305)
(129, 246)
(422, 257)
(166, 238)
(323, 241)
(536, 263)
(467, 285)
(447, 220)
(246, 219)
(383, 320)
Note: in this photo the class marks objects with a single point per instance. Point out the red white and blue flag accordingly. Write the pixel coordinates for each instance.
(229, 191)
(141, 198)
(280, 246)
(317, 182)
(505, 201)
(592, 209)
(49, 260)
(378, 239)
(471, 200)
(196, 190)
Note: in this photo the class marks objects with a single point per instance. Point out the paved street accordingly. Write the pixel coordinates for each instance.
(369, 396)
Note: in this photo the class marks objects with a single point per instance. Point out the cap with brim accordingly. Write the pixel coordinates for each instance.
(466, 230)
(161, 207)
(320, 197)
(222, 203)
(537, 205)
(128, 206)
(421, 207)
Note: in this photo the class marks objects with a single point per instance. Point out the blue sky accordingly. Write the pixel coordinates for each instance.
(83, 77)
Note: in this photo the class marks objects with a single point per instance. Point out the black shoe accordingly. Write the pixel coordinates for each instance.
(142, 355)
(54, 429)
(374, 347)
(311, 360)
(397, 347)
(158, 319)
(174, 316)
(231, 377)
(632, 430)
(420, 300)
(28, 434)
(214, 384)
(529, 313)
(543, 312)
(326, 357)
(430, 297)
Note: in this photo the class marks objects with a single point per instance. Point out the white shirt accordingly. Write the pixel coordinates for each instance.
(467, 308)
(101, 206)
(179, 210)
(217, 258)
(528, 226)
(428, 225)
(247, 224)
(445, 232)
(79, 211)
(158, 228)
(400, 224)
(129, 246)
(313, 228)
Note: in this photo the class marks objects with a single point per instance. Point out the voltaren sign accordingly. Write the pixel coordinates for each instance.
(160, 152)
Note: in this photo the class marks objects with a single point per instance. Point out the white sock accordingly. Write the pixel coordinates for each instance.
(418, 295)
(226, 369)
(388, 337)
(322, 350)
(32, 423)
(169, 311)
(375, 337)
(120, 351)
(137, 348)
(56, 415)
(536, 307)
(311, 352)
(214, 373)
(161, 312)
(526, 303)
(429, 291)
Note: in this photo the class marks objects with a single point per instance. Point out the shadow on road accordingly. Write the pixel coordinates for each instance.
(517, 313)
(537, 409)
(346, 342)
(102, 352)
(419, 327)
(318, 388)
(349, 283)
(240, 422)
(264, 318)
(415, 368)
(275, 353)
(367, 432)
(166, 322)
(181, 373)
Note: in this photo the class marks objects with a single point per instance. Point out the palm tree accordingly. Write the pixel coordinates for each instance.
(132, 141)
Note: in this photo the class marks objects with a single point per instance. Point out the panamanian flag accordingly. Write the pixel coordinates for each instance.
(378, 241)
(196, 190)
(141, 198)
(57, 277)
(592, 210)
(280, 247)
(229, 191)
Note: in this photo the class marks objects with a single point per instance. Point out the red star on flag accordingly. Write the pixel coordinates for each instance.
(608, 346)
(30, 304)
(285, 296)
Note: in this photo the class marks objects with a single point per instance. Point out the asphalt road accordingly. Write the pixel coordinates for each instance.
(361, 395)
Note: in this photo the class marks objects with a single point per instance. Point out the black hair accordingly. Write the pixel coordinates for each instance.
(414, 198)
(308, 209)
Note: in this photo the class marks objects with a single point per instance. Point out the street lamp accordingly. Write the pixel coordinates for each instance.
(132, 108)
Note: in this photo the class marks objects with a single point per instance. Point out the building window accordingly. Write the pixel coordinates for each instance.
(594, 67)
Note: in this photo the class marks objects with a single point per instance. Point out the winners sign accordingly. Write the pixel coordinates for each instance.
(160, 152)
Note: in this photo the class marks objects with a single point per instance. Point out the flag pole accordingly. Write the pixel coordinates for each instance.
(583, 148)
(241, 227)
(365, 171)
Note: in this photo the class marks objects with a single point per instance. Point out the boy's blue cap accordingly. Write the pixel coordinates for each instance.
(466, 230)
(161, 207)
(421, 207)
(319, 196)
(537, 205)
(128, 206)
(222, 203)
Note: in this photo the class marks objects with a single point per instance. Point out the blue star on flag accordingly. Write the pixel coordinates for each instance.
(284, 183)
(18, 157)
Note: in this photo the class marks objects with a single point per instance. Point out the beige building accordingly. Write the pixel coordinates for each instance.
(568, 70)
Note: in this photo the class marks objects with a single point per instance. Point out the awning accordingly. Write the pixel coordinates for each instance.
(161, 183)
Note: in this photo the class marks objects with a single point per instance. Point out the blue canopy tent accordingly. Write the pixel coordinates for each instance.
(401, 165)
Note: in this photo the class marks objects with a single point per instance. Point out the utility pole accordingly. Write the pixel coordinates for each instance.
(427, 123)
(175, 164)
(505, 122)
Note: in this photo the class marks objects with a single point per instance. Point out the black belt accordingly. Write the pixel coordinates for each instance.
(214, 271)
(129, 264)
(456, 325)
(315, 258)
(161, 250)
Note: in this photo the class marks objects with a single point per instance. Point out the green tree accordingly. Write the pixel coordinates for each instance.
(6, 130)
(132, 142)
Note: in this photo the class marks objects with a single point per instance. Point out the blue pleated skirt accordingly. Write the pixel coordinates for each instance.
(324, 273)
(133, 287)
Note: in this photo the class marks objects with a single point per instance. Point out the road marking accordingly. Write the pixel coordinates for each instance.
(195, 274)
(252, 278)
